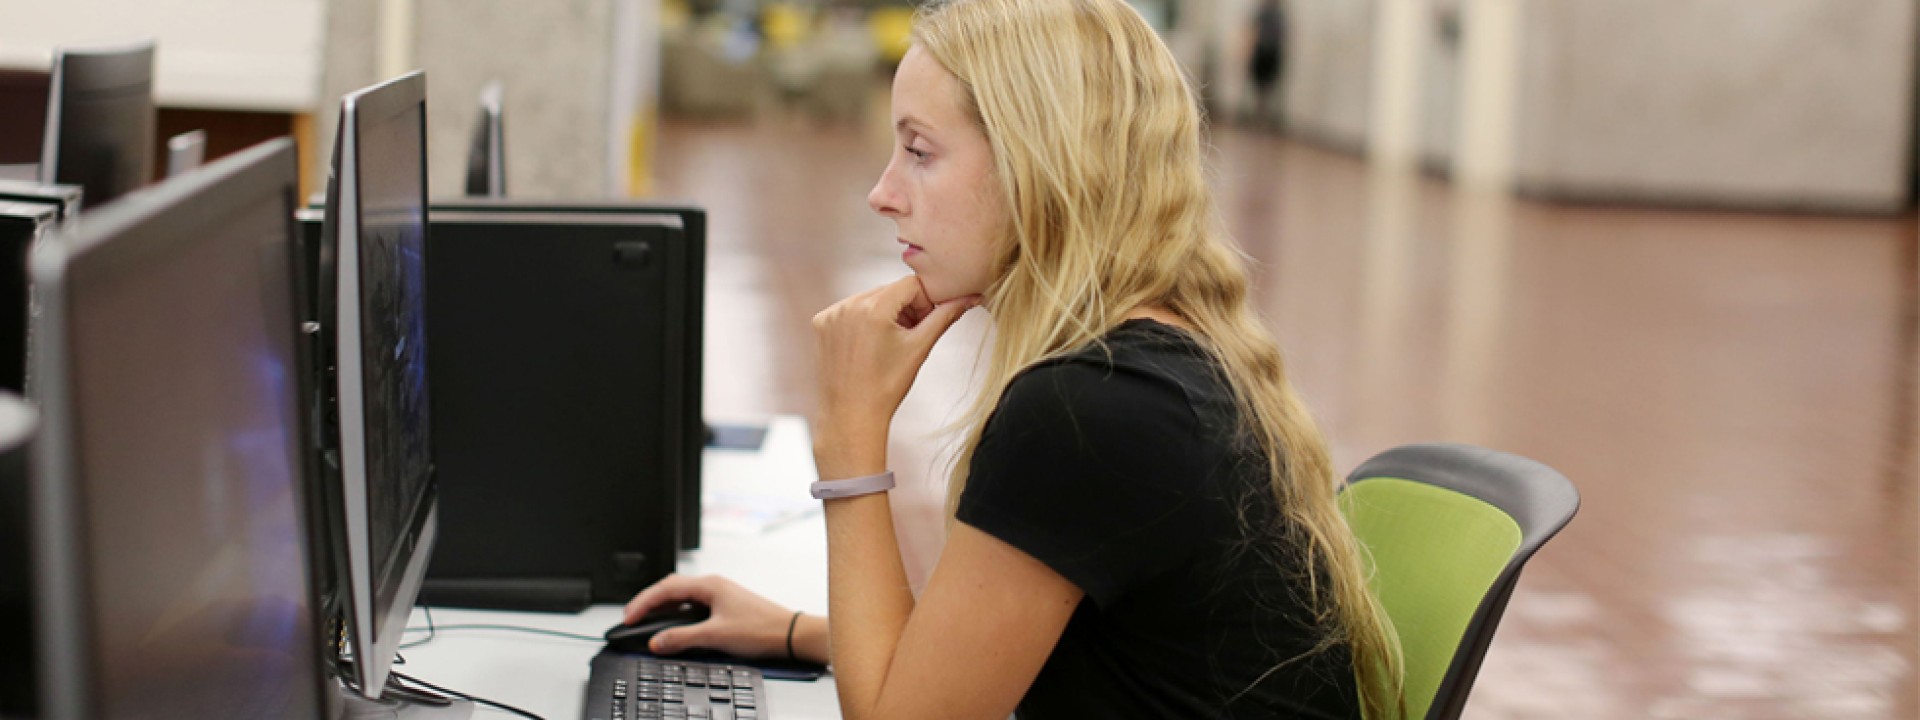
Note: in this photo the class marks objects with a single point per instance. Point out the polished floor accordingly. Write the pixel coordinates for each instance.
(1734, 395)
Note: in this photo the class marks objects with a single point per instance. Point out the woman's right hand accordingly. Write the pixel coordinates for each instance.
(742, 623)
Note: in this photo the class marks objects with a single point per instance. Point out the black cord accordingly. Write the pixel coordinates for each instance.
(431, 629)
(510, 628)
(428, 609)
(469, 698)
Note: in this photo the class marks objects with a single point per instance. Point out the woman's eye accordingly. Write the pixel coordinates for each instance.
(917, 154)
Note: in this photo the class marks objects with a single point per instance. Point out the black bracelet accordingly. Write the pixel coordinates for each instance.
(790, 624)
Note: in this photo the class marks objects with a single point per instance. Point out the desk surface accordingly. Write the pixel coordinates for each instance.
(785, 561)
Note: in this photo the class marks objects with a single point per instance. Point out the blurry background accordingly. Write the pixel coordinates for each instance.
(1666, 246)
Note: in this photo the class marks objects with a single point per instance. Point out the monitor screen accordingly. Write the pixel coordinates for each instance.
(174, 506)
(393, 345)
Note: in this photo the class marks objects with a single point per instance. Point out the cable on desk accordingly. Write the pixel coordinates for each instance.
(469, 698)
(431, 629)
(428, 609)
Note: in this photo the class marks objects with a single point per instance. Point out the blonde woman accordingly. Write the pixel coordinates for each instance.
(1145, 523)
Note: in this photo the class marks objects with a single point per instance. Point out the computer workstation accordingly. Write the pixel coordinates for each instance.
(314, 457)
(550, 325)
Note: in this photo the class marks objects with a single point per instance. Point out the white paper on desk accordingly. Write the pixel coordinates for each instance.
(756, 514)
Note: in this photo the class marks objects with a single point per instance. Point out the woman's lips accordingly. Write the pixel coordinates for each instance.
(911, 250)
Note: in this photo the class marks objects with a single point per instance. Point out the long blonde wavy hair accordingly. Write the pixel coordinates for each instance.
(1095, 134)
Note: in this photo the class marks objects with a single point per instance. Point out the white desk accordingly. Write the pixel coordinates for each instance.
(547, 676)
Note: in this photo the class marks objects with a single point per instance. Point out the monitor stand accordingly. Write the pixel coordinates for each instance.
(353, 706)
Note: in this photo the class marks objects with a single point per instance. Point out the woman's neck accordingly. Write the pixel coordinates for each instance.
(1160, 315)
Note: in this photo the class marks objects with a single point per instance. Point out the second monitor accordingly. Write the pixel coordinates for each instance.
(380, 515)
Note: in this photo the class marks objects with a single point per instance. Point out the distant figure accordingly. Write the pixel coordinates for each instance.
(1269, 60)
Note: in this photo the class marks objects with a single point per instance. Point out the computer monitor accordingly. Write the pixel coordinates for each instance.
(171, 553)
(487, 155)
(100, 120)
(185, 152)
(373, 303)
(18, 423)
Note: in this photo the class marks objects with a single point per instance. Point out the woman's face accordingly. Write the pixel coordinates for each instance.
(939, 188)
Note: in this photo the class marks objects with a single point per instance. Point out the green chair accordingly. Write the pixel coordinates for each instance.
(1448, 528)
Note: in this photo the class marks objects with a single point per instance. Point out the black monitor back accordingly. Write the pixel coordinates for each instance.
(692, 340)
(21, 223)
(555, 427)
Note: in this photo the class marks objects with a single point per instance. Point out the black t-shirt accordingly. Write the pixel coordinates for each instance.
(1125, 470)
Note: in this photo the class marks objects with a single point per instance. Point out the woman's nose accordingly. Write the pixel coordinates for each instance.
(883, 199)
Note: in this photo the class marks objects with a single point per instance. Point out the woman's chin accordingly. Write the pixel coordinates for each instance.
(940, 288)
(936, 291)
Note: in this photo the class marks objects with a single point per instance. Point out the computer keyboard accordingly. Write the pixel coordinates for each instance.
(635, 687)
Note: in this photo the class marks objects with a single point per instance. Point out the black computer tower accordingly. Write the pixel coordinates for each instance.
(693, 236)
(18, 425)
(65, 197)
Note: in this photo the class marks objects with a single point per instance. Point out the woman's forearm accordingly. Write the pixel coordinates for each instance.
(867, 593)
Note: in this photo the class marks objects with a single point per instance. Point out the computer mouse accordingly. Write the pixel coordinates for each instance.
(634, 637)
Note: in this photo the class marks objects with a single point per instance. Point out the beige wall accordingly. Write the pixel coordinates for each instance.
(348, 63)
(555, 59)
(1782, 103)
(1329, 69)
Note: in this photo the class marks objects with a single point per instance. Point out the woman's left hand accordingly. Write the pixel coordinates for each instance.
(869, 349)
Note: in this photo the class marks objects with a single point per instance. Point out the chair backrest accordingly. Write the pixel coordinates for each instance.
(1448, 528)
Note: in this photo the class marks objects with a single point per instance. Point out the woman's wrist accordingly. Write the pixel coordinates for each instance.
(810, 640)
(842, 452)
